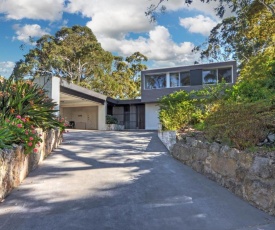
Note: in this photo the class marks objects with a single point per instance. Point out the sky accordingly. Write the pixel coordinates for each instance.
(119, 25)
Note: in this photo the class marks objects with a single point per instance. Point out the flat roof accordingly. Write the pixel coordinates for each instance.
(194, 66)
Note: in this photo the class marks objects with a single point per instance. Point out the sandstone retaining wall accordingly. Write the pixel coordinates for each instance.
(15, 165)
(247, 174)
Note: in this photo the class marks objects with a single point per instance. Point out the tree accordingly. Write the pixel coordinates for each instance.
(124, 80)
(234, 5)
(246, 34)
(76, 55)
(73, 53)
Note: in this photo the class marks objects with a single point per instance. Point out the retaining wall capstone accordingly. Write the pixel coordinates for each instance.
(249, 175)
(15, 165)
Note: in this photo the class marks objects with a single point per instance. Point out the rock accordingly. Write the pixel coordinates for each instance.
(233, 153)
(224, 166)
(200, 154)
(261, 168)
(271, 137)
(214, 147)
(191, 141)
(224, 150)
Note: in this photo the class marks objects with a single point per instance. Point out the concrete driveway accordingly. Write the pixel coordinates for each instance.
(123, 180)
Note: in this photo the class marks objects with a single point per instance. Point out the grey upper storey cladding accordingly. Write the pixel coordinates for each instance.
(156, 83)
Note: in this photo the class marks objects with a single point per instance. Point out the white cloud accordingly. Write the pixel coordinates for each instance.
(6, 68)
(199, 24)
(32, 9)
(197, 5)
(112, 21)
(113, 18)
(158, 47)
(25, 32)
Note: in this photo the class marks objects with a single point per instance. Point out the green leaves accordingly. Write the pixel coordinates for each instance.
(27, 99)
(75, 55)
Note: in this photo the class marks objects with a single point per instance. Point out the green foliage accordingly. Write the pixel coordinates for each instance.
(257, 78)
(176, 110)
(241, 124)
(28, 100)
(75, 54)
(24, 106)
(19, 130)
(111, 119)
(181, 108)
(124, 81)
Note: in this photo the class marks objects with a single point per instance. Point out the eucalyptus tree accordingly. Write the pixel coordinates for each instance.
(123, 81)
(247, 33)
(72, 53)
(75, 55)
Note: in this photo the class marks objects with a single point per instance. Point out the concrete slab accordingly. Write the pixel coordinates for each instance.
(123, 180)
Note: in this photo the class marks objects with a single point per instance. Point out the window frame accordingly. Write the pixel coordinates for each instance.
(155, 75)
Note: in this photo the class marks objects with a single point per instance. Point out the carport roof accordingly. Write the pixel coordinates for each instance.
(78, 91)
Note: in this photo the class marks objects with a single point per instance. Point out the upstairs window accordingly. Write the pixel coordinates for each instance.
(174, 79)
(209, 76)
(185, 79)
(225, 74)
(155, 81)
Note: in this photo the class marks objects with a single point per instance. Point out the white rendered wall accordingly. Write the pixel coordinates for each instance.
(52, 86)
(102, 111)
(151, 116)
(84, 117)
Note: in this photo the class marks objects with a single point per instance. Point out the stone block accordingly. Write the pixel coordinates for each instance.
(262, 167)
(224, 150)
(224, 166)
(214, 148)
(199, 154)
(245, 159)
(198, 166)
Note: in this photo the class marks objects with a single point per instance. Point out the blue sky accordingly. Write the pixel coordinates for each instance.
(119, 25)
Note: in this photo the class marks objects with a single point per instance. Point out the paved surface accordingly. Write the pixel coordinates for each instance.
(123, 180)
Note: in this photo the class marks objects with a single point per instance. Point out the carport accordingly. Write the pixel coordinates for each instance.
(83, 108)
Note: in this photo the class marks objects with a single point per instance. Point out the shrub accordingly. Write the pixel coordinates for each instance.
(19, 131)
(181, 108)
(242, 125)
(27, 99)
(24, 106)
(111, 119)
(176, 110)
(257, 78)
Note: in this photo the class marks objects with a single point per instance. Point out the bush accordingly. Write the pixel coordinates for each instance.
(257, 78)
(177, 110)
(27, 99)
(241, 125)
(181, 108)
(24, 106)
(111, 119)
(19, 131)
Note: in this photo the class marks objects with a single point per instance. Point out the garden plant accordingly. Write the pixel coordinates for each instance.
(25, 106)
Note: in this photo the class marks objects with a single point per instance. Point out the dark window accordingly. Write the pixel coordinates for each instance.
(184, 78)
(155, 81)
(174, 79)
(225, 74)
(209, 76)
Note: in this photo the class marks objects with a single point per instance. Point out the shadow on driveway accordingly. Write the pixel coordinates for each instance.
(123, 180)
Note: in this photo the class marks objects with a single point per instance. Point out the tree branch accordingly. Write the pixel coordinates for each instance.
(270, 7)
